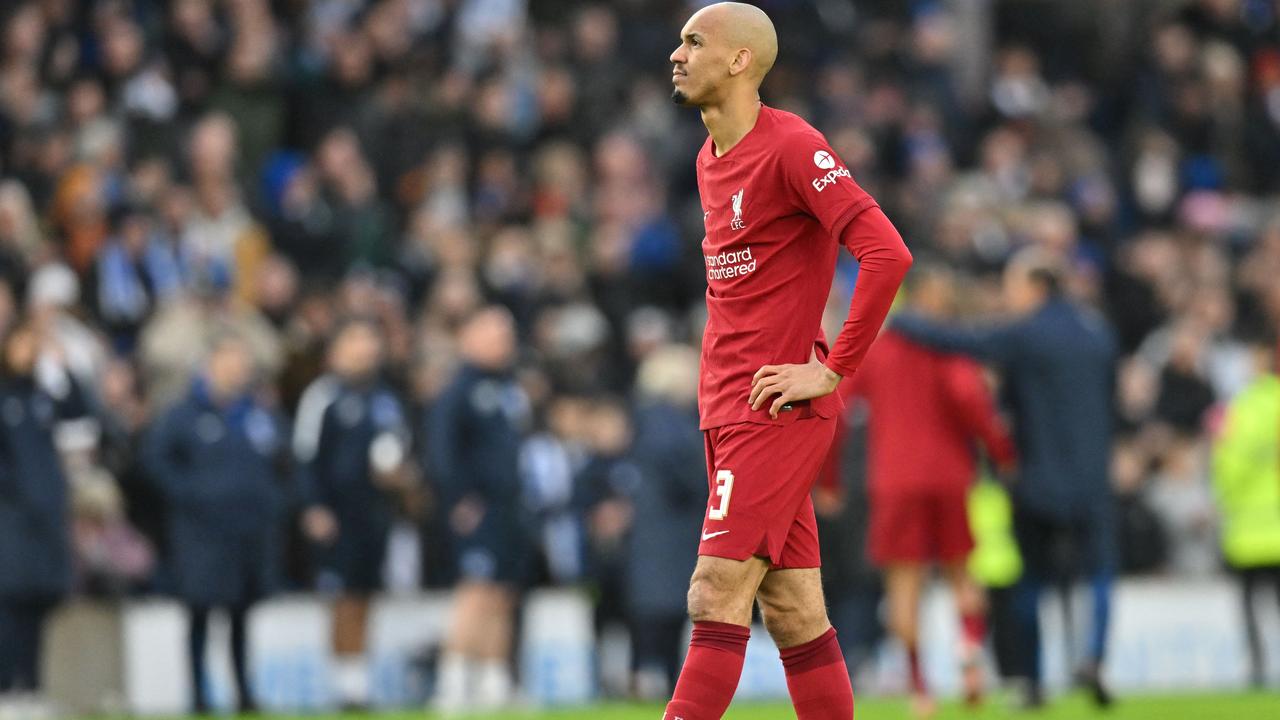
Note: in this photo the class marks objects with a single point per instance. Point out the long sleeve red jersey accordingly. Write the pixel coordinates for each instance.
(929, 413)
(777, 207)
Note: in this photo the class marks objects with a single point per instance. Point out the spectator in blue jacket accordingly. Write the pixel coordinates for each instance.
(220, 459)
(35, 554)
(1059, 368)
(351, 442)
(473, 441)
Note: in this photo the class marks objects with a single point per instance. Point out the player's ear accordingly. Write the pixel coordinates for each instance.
(741, 61)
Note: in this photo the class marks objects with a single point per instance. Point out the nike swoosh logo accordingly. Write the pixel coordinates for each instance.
(708, 536)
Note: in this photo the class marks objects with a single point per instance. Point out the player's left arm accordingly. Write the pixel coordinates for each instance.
(846, 211)
(972, 405)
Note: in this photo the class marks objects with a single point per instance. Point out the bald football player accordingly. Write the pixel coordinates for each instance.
(777, 205)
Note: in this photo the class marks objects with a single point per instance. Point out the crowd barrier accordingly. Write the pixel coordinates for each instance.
(129, 657)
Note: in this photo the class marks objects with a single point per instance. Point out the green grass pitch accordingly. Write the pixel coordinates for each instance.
(1242, 706)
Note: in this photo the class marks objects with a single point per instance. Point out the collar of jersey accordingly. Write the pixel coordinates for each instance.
(750, 133)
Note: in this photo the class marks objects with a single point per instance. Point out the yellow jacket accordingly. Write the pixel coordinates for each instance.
(1246, 475)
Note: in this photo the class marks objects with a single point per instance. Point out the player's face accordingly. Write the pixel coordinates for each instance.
(696, 64)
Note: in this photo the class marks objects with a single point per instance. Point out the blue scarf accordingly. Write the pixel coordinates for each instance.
(122, 295)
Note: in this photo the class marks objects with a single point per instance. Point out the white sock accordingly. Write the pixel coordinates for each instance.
(651, 684)
(493, 689)
(38, 708)
(24, 706)
(452, 680)
(351, 679)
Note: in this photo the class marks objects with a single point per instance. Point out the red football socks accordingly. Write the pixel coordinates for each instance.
(917, 675)
(710, 673)
(974, 629)
(818, 679)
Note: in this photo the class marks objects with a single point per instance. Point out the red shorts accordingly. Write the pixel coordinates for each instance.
(919, 526)
(760, 477)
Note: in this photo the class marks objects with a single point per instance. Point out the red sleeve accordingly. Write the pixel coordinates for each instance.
(971, 401)
(821, 185)
(883, 260)
(819, 182)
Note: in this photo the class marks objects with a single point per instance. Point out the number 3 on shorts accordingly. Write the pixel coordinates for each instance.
(724, 489)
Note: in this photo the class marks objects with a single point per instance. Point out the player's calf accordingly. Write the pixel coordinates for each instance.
(720, 597)
(795, 613)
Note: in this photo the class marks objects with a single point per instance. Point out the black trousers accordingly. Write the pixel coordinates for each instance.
(1055, 550)
(657, 642)
(1250, 579)
(21, 630)
(199, 641)
(1002, 616)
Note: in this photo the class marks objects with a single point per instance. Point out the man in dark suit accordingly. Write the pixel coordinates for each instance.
(220, 459)
(1058, 362)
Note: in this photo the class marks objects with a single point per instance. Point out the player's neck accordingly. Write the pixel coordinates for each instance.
(730, 121)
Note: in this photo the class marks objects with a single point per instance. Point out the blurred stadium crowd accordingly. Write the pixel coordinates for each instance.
(176, 173)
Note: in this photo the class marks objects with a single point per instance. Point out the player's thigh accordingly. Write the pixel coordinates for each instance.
(723, 589)
(951, 539)
(793, 606)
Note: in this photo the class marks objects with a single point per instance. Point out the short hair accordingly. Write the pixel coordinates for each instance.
(1047, 278)
(1042, 269)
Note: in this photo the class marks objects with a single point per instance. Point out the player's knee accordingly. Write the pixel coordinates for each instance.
(712, 600)
(791, 620)
(705, 603)
(794, 625)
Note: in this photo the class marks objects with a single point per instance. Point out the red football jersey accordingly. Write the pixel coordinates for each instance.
(774, 208)
(927, 409)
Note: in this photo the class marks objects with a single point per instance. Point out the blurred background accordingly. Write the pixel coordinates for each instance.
(315, 310)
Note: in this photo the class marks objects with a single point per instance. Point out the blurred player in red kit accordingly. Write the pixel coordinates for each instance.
(777, 205)
(928, 411)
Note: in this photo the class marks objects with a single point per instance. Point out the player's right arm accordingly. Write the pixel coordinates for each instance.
(999, 344)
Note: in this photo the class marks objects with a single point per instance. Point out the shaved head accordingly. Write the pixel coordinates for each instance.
(745, 26)
(723, 46)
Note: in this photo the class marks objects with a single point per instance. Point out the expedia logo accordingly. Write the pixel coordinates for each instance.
(821, 183)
